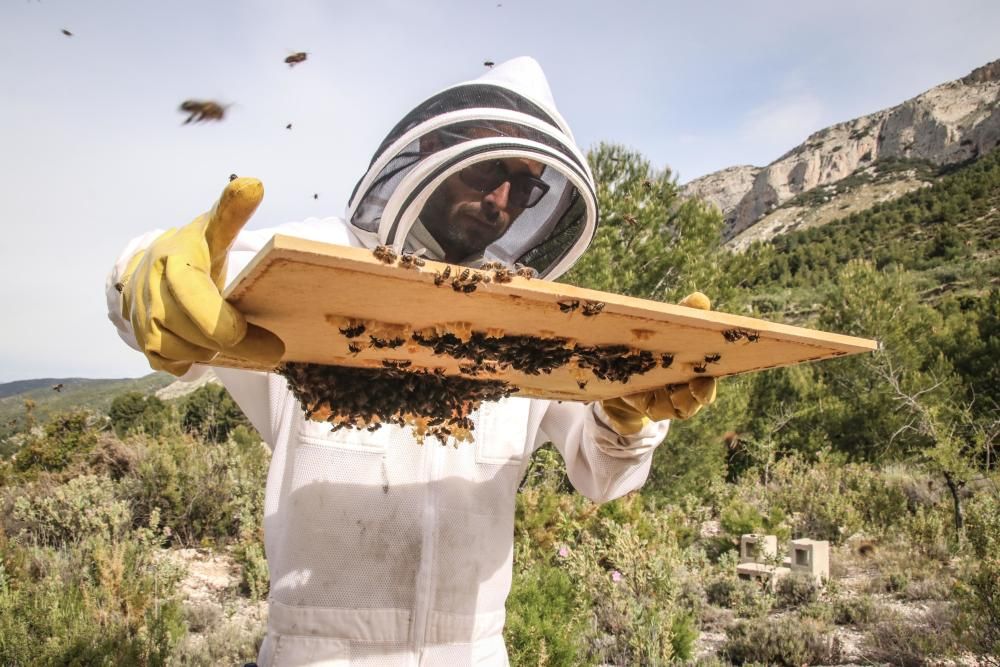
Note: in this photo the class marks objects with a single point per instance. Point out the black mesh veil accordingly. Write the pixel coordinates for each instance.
(446, 135)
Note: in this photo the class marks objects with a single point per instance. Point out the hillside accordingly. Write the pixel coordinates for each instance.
(76, 393)
(949, 124)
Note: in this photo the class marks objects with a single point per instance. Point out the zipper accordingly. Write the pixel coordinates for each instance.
(425, 575)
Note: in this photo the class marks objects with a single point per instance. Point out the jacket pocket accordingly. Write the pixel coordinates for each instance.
(298, 650)
(502, 432)
(356, 439)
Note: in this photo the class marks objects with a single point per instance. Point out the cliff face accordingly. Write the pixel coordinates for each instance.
(949, 123)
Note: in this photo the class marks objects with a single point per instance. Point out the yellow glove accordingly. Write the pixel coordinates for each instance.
(172, 291)
(629, 414)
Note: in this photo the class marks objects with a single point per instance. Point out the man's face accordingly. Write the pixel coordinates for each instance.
(466, 213)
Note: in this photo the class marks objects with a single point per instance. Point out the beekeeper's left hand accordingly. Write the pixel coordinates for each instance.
(629, 414)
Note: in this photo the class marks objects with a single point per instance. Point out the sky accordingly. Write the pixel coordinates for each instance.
(93, 151)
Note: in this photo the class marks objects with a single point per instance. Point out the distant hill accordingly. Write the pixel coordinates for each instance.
(953, 123)
(75, 393)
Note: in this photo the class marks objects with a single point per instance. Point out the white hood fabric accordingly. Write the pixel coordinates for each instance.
(506, 113)
(384, 552)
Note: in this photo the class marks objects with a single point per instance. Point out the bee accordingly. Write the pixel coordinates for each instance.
(456, 285)
(733, 335)
(354, 348)
(464, 275)
(202, 110)
(384, 254)
(353, 330)
(315, 195)
(592, 308)
(582, 384)
(469, 289)
(630, 219)
(712, 358)
(568, 306)
(648, 184)
(120, 286)
(752, 336)
(409, 261)
(296, 58)
(438, 279)
(288, 127)
(439, 372)
(380, 343)
(489, 63)
(372, 429)
(487, 280)
(491, 266)
(469, 369)
(700, 368)
(57, 387)
(396, 365)
(67, 32)
(525, 272)
(503, 275)
(232, 177)
(666, 360)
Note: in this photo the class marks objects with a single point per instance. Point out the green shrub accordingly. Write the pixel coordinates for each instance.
(854, 610)
(210, 412)
(254, 581)
(796, 589)
(791, 640)
(545, 624)
(133, 412)
(914, 641)
(93, 601)
(66, 437)
(81, 508)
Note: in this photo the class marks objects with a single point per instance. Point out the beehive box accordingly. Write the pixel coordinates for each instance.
(314, 295)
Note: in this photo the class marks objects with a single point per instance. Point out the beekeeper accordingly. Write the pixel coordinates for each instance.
(382, 551)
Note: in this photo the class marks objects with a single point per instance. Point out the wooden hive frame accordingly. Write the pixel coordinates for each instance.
(306, 292)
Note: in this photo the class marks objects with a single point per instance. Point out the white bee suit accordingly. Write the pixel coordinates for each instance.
(385, 552)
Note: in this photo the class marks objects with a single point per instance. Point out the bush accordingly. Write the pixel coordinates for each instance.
(254, 582)
(83, 507)
(545, 625)
(911, 642)
(211, 413)
(66, 437)
(796, 589)
(136, 412)
(789, 641)
(859, 610)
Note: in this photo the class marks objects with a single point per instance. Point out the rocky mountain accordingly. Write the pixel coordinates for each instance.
(950, 123)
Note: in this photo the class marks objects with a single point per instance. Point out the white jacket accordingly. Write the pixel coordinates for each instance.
(386, 552)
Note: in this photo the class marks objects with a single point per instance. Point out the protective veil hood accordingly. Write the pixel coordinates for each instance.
(506, 115)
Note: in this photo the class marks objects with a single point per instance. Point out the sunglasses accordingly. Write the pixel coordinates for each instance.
(485, 177)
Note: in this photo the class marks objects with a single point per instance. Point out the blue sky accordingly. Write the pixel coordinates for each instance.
(92, 150)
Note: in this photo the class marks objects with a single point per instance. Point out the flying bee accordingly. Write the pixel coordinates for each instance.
(568, 306)
(700, 368)
(202, 110)
(354, 348)
(67, 32)
(296, 58)
(666, 360)
(288, 127)
(353, 330)
(396, 365)
(384, 254)
(489, 63)
(315, 195)
(648, 184)
(712, 358)
(232, 177)
(592, 308)
(57, 387)
(630, 219)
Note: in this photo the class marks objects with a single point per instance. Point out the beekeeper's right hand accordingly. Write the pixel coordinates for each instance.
(172, 291)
